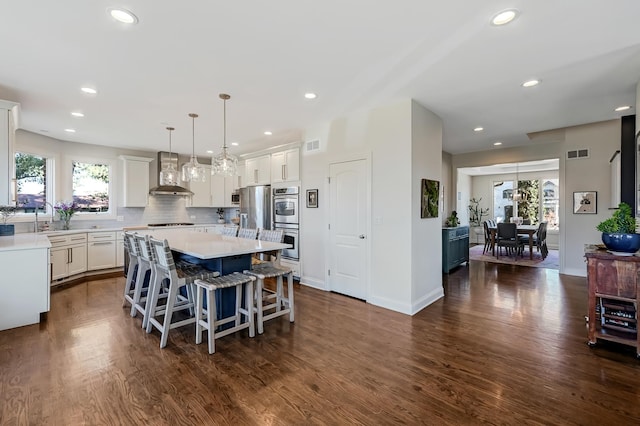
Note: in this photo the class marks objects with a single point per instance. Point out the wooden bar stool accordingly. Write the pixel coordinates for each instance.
(208, 319)
(145, 265)
(179, 275)
(132, 272)
(230, 231)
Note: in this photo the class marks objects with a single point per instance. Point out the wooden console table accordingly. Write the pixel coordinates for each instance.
(613, 297)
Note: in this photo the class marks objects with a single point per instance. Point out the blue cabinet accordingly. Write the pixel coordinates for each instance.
(455, 247)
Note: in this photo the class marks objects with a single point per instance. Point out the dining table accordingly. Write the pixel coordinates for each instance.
(529, 230)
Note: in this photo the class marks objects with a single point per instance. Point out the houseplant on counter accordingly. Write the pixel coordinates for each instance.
(66, 211)
(7, 228)
(220, 215)
(619, 231)
(452, 221)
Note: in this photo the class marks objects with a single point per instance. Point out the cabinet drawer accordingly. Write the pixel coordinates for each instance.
(63, 240)
(102, 236)
(616, 278)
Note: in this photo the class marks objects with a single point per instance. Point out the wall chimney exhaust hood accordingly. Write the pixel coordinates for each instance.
(164, 159)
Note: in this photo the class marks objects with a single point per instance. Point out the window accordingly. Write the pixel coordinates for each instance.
(503, 200)
(31, 182)
(91, 186)
(551, 202)
(541, 201)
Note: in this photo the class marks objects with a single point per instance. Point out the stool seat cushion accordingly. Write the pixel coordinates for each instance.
(268, 271)
(225, 281)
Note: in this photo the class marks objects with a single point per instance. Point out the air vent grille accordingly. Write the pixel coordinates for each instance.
(577, 154)
(313, 145)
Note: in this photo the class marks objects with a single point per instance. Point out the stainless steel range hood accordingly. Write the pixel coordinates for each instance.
(165, 158)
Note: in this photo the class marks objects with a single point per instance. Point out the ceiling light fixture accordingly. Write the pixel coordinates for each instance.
(623, 108)
(497, 143)
(77, 114)
(123, 15)
(268, 133)
(193, 171)
(89, 90)
(235, 143)
(70, 130)
(224, 164)
(169, 174)
(478, 129)
(310, 95)
(504, 17)
(530, 83)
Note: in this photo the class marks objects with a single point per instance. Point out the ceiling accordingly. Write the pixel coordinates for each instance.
(355, 55)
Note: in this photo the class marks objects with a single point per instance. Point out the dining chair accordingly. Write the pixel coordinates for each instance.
(487, 237)
(507, 237)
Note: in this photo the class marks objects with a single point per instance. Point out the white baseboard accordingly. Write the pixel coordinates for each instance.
(314, 283)
(427, 300)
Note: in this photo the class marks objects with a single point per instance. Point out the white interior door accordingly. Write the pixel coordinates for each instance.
(347, 228)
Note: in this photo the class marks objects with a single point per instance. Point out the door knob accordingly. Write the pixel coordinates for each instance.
(361, 236)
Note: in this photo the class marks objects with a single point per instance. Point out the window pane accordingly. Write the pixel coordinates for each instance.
(551, 202)
(503, 201)
(31, 172)
(529, 206)
(91, 186)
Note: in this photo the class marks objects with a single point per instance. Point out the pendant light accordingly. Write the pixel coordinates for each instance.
(517, 194)
(224, 164)
(169, 174)
(193, 171)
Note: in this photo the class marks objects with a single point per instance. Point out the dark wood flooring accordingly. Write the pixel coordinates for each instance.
(507, 345)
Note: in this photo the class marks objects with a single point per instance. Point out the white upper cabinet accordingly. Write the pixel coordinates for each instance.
(202, 194)
(8, 121)
(135, 171)
(218, 195)
(285, 166)
(258, 170)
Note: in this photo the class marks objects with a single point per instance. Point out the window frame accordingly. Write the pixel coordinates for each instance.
(49, 187)
(111, 213)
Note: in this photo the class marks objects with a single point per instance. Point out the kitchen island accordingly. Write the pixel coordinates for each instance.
(24, 264)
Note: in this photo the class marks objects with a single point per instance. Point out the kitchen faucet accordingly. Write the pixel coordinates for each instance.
(44, 204)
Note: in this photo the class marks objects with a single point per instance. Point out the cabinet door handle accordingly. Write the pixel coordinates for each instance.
(105, 243)
(69, 255)
(284, 172)
(255, 176)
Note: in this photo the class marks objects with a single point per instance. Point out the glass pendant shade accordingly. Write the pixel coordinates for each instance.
(517, 194)
(169, 174)
(224, 164)
(193, 171)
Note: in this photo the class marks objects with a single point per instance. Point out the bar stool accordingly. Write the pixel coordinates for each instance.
(132, 271)
(208, 319)
(276, 301)
(182, 274)
(145, 265)
(230, 231)
(248, 233)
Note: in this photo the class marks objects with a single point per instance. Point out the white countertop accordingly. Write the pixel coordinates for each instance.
(24, 242)
(132, 227)
(210, 246)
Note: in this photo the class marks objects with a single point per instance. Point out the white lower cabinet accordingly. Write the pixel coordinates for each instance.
(68, 255)
(119, 249)
(101, 250)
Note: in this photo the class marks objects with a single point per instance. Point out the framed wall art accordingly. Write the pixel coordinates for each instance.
(312, 198)
(585, 202)
(429, 201)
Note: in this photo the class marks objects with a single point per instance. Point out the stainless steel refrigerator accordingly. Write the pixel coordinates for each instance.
(255, 207)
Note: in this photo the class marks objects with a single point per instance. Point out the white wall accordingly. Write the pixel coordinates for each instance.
(448, 191)
(426, 250)
(384, 135)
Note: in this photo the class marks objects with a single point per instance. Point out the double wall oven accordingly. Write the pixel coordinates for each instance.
(286, 213)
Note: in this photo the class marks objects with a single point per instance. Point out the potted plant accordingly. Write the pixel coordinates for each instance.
(220, 215)
(7, 212)
(452, 220)
(619, 231)
(66, 210)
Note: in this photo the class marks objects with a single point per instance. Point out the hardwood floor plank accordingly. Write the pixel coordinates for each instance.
(506, 345)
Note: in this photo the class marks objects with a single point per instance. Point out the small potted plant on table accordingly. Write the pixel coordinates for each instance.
(220, 215)
(7, 228)
(619, 231)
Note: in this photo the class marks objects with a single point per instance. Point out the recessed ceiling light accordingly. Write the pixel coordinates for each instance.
(478, 129)
(123, 15)
(623, 108)
(310, 95)
(504, 17)
(268, 133)
(530, 83)
(77, 114)
(89, 90)
(235, 143)
(209, 151)
(70, 130)
(497, 143)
